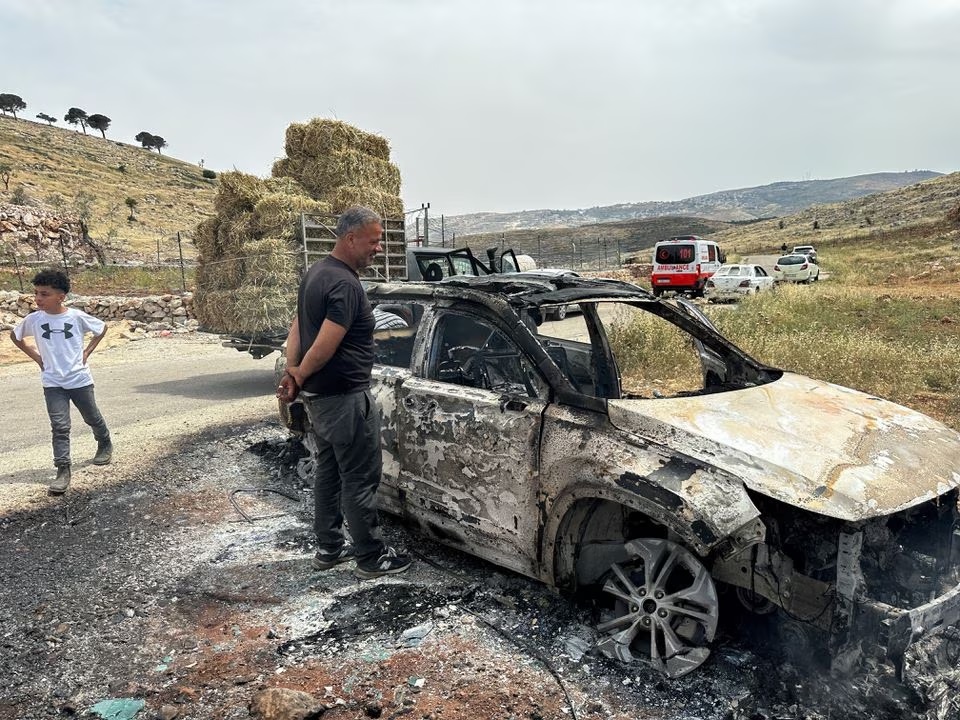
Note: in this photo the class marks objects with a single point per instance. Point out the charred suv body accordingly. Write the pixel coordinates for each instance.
(634, 452)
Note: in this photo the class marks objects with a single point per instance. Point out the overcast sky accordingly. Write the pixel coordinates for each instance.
(494, 105)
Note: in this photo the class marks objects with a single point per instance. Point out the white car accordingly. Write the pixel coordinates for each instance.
(807, 250)
(796, 268)
(731, 282)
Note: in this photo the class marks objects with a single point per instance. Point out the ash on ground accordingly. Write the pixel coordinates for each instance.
(189, 588)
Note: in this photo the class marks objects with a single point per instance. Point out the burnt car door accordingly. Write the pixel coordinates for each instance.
(469, 423)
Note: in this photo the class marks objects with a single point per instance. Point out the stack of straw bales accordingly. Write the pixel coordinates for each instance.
(250, 252)
(341, 165)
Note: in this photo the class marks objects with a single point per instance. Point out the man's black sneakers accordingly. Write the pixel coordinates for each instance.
(387, 564)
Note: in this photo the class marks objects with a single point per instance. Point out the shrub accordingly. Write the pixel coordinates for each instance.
(209, 174)
(122, 168)
(20, 196)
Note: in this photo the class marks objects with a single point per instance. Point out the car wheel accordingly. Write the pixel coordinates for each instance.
(561, 312)
(659, 605)
(657, 292)
(307, 465)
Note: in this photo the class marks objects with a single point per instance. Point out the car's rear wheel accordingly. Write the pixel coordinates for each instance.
(659, 605)
(561, 312)
(657, 292)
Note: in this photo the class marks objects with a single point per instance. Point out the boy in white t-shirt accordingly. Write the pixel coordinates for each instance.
(58, 333)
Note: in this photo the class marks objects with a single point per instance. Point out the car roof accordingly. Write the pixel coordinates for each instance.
(520, 289)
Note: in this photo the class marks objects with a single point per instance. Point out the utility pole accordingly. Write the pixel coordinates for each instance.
(426, 224)
(453, 244)
(598, 252)
(443, 232)
(418, 232)
(604, 252)
(539, 251)
(619, 261)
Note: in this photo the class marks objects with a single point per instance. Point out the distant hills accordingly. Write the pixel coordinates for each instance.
(599, 246)
(764, 201)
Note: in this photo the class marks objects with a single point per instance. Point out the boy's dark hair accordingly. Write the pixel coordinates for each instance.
(52, 278)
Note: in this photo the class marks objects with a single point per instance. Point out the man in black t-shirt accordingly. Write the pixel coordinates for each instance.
(329, 359)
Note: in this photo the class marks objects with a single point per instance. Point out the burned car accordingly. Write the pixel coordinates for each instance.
(633, 452)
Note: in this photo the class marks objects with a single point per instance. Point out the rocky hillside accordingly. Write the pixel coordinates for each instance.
(774, 200)
(921, 203)
(52, 166)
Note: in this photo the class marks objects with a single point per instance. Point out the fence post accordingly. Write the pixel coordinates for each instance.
(16, 264)
(158, 251)
(63, 254)
(183, 274)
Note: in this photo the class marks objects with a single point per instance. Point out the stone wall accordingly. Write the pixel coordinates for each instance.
(153, 313)
(35, 234)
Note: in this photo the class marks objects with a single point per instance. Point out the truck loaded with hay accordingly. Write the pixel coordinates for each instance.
(266, 232)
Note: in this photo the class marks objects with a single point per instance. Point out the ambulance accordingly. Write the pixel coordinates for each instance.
(683, 264)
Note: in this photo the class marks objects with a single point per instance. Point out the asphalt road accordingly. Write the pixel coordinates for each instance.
(150, 392)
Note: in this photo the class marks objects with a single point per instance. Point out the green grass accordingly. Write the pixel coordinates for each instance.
(111, 280)
(886, 322)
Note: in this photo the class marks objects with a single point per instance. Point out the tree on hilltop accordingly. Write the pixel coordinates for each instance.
(99, 122)
(150, 141)
(76, 116)
(145, 139)
(10, 103)
(46, 118)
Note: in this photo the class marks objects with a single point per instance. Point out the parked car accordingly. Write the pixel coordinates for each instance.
(732, 282)
(796, 268)
(590, 466)
(805, 250)
(561, 311)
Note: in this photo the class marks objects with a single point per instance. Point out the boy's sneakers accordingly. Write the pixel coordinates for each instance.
(104, 452)
(325, 561)
(387, 564)
(62, 482)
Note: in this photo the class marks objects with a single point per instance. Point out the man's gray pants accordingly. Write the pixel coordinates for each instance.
(58, 408)
(349, 467)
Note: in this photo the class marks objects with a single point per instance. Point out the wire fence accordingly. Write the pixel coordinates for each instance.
(172, 269)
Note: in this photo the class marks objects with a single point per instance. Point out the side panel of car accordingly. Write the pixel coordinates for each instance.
(701, 507)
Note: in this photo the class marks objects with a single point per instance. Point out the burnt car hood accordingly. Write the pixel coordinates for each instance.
(822, 447)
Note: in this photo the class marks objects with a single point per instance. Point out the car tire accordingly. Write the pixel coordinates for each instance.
(657, 292)
(634, 625)
(560, 313)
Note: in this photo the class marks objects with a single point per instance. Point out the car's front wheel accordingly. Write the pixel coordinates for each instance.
(660, 604)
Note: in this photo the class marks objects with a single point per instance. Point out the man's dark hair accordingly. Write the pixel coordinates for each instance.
(355, 217)
(52, 278)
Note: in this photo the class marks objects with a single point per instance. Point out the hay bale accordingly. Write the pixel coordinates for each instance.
(261, 309)
(282, 169)
(271, 262)
(285, 185)
(205, 237)
(321, 176)
(388, 206)
(233, 233)
(237, 193)
(321, 137)
(278, 214)
(223, 273)
(215, 309)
